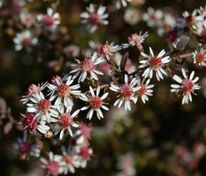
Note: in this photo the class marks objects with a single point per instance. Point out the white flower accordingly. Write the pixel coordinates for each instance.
(144, 90)
(107, 50)
(33, 88)
(27, 19)
(95, 102)
(153, 63)
(153, 17)
(123, 3)
(51, 19)
(71, 161)
(200, 57)
(186, 86)
(42, 107)
(24, 40)
(94, 17)
(136, 40)
(84, 152)
(26, 147)
(87, 66)
(65, 121)
(62, 91)
(54, 165)
(167, 24)
(126, 93)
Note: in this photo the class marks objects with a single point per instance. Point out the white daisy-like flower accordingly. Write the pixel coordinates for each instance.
(71, 160)
(144, 90)
(107, 50)
(136, 40)
(24, 39)
(167, 24)
(192, 18)
(94, 17)
(96, 103)
(27, 148)
(65, 121)
(87, 67)
(33, 124)
(200, 57)
(187, 86)
(153, 17)
(62, 91)
(85, 153)
(54, 164)
(51, 19)
(120, 3)
(126, 93)
(27, 19)
(153, 63)
(42, 107)
(33, 88)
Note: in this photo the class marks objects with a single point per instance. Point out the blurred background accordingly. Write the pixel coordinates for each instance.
(159, 138)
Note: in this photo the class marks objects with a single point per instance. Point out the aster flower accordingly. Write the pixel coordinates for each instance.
(136, 40)
(32, 123)
(96, 103)
(192, 18)
(26, 148)
(83, 133)
(87, 66)
(33, 88)
(126, 93)
(54, 164)
(27, 19)
(107, 50)
(71, 161)
(144, 90)
(200, 57)
(85, 153)
(42, 107)
(24, 39)
(154, 63)
(186, 86)
(94, 17)
(51, 19)
(62, 91)
(65, 121)
(153, 17)
(167, 24)
(120, 3)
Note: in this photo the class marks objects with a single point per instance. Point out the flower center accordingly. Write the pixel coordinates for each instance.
(65, 120)
(200, 57)
(26, 41)
(84, 153)
(53, 167)
(44, 105)
(187, 86)
(95, 102)
(68, 159)
(25, 148)
(126, 91)
(63, 90)
(105, 49)
(142, 90)
(87, 65)
(94, 18)
(48, 20)
(155, 62)
(30, 121)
